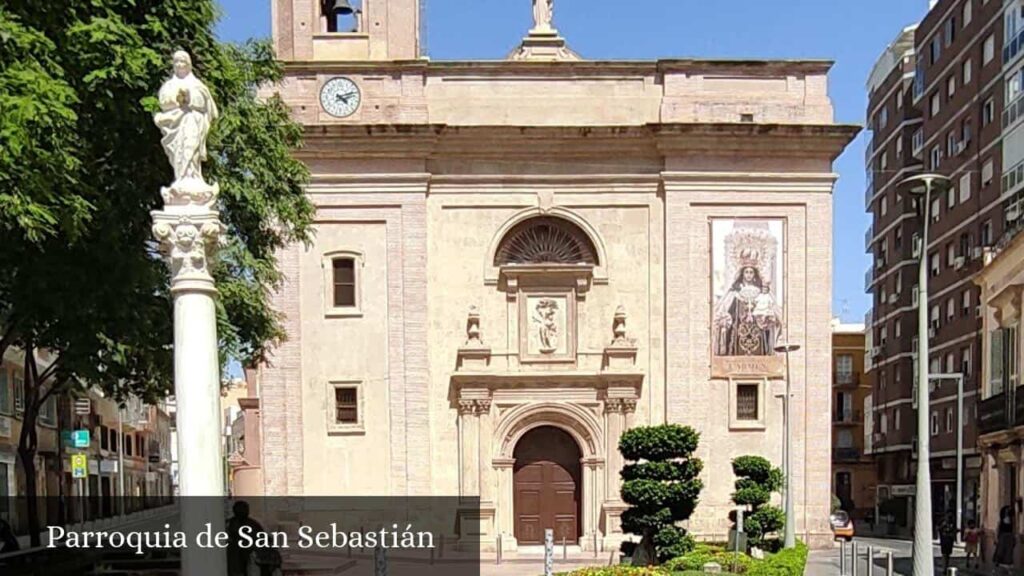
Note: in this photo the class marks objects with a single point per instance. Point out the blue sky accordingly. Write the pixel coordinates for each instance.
(852, 33)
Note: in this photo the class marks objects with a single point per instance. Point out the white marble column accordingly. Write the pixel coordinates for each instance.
(188, 229)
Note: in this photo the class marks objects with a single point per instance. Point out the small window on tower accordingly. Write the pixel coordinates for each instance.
(346, 415)
(747, 400)
(344, 282)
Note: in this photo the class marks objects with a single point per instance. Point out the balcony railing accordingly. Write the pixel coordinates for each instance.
(845, 454)
(868, 235)
(869, 277)
(1013, 178)
(1012, 46)
(992, 414)
(846, 379)
(847, 416)
(1013, 112)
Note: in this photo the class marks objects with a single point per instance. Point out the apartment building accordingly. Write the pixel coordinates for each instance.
(853, 470)
(936, 101)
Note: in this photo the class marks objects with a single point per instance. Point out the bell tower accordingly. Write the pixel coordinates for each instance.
(346, 30)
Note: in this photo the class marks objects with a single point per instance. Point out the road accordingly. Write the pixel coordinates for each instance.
(827, 562)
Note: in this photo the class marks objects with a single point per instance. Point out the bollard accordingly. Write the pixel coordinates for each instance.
(549, 552)
(871, 561)
(842, 558)
(853, 559)
(498, 559)
(565, 550)
(888, 564)
(380, 562)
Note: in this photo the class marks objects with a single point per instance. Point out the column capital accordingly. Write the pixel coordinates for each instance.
(188, 236)
(474, 406)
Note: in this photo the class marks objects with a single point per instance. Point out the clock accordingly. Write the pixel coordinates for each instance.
(340, 97)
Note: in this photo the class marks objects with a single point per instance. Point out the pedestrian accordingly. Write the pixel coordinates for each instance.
(947, 535)
(1003, 557)
(972, 537)
(239, 556)
(8, 541)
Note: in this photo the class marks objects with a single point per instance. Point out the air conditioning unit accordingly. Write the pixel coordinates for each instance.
(876, 351)
(976, 252)
(959, 262)
(893, 298)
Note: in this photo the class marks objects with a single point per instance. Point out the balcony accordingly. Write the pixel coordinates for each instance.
(840, 379)
(845, 455)
(869, 277)
(868, 235)
(1013, 112)
(992, 414)
(1012, 47)
(848, 416)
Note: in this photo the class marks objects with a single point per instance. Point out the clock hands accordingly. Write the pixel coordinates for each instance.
(344, 97)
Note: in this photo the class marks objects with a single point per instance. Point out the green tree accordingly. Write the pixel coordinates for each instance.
(81, 168)
(756, 480)
(661, 485)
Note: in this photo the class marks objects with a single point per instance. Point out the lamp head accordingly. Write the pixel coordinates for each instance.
(786, 347)
(919, 184)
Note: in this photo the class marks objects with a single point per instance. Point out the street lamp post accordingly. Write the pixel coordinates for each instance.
(922, 186)
(789, 540)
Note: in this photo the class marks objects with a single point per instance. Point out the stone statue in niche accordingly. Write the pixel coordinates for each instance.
(546, 324)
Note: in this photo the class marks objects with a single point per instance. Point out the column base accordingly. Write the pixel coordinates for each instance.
(476, 529)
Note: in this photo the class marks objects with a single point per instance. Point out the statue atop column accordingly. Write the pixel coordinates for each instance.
(543, 15)
(187, 110)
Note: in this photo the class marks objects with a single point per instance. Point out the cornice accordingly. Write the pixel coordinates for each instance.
(566, 142)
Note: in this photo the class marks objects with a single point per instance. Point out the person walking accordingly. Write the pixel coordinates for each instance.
(947, 535)
(972, 538)
(1003, 558)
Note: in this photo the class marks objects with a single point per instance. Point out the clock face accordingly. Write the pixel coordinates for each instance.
(340, 97)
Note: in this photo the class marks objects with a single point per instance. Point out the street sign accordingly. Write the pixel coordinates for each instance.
(79, 466)
(80, 438)
(83, 406)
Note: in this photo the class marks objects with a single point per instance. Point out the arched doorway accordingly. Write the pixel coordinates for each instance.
(547, 483)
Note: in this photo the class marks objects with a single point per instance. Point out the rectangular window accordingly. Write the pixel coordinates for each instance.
(967, 14)
(951, 87)
(346, 405)
(936, 157)
(936, 50)
(104, 440)
(949, 419)
(950, 315)
(965, 308)
(883, 117)
(844, 369)
(988, 112)
(917, 142)
(747, 397)
(965, 361)
(936, 104)
(899, 99)
(128, 445)
(950, 198)
(965, 187)
(344, 282)
(935, 423)
(996, 362)
(935, 320)
(966, 71)
(936, 209)
(6, 472)
(19, 392)
(113, 440)
(935, 264)
(5, 392)
(988, 51)
(899, 148)
(987, 171)
(896, 418)
(986, 233)
(48, 412)
(949, 31)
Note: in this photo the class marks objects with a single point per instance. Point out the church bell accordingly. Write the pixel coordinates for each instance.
(338, 8)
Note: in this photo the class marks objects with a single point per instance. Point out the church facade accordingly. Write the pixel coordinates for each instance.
(516, 260)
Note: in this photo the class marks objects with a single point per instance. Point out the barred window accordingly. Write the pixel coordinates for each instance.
(346, 406)
(747, 398)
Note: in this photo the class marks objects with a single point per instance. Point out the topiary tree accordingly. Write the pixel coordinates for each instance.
(756, 480)
(661, 485)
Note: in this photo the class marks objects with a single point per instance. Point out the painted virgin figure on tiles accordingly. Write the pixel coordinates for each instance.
(748, 288)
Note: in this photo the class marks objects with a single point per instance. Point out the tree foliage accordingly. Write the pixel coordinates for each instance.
(662, 486)
(81, 167)
(756, 480)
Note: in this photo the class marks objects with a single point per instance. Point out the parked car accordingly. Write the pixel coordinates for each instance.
(842, 525)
